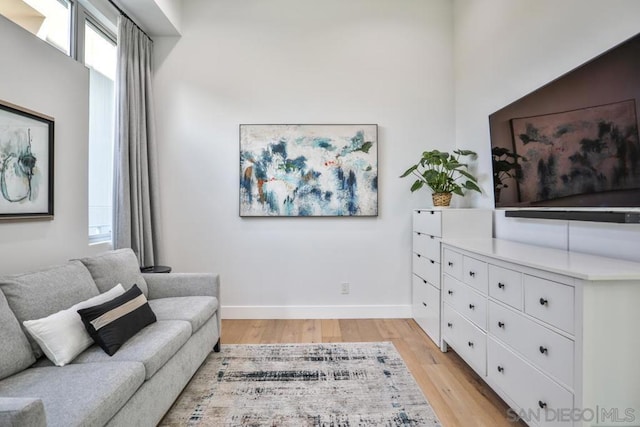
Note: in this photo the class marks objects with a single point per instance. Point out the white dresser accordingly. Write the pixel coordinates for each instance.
(555, 333)
(430, 226)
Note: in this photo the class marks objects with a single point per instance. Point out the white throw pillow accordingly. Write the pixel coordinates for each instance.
(62, 335)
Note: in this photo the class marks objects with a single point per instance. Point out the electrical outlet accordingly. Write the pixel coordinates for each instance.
(344, 288)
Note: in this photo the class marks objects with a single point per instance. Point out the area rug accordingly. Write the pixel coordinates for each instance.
(287, 385)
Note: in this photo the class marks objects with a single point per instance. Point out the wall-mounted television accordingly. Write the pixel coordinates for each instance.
(573, 143)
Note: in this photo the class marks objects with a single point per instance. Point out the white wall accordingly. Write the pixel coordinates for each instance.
(504, 49)
(299, 61)
(36, 76)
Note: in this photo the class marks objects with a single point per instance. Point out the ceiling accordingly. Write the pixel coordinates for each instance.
(22, 14)
(156, 17)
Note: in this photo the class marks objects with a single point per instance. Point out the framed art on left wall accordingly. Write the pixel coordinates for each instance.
(26, 163)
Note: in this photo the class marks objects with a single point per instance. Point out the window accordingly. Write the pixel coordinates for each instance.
(100, 56)
(72, 27)
(48, 19)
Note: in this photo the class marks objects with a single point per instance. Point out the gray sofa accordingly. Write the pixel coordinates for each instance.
(134, 387)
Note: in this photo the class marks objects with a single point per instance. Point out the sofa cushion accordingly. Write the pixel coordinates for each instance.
(73, 395)
(195, 310)
(22, 411)
(153, 346)
(41, 293)
(62, 335)
(113, 267)
(15, 351)
(112, 323)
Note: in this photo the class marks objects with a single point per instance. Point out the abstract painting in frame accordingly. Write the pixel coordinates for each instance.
(26, 163)
(304, 170)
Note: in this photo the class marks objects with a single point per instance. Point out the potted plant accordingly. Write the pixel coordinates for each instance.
(444, 174)
(505, 166)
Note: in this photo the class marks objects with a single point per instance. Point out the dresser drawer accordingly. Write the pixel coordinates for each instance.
(506, 285)
(551, 302)
(466, 301)
(475, 273)
(427, 269)
(426, 245)
(538, 396)
(452, 263)
(428, 222)
(467, 340)
(426, 308)
(549, 351)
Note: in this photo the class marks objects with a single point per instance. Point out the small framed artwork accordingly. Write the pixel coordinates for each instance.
(305, 170)
(26, 163)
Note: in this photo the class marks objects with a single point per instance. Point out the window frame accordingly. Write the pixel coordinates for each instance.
(84, 17)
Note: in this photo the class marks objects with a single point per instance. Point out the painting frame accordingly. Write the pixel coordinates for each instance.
(308, 170)
(26, 163)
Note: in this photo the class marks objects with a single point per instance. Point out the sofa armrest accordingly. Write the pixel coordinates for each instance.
(167, 285)
(182, 285)
(22, 412)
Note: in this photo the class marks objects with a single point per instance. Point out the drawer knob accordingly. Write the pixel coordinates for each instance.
(432, 261)
(449, 324)
(425, 282)
(542, 404)
(543, 350)
(432, 237)
(419, 233)
(543, 301)
(450, 264)
(501, 285)
(424, 303)
(472, 307)
(500, 369)
(472, 273)
(419, 255)
(501, 325)
(450, 292)
(470, 344)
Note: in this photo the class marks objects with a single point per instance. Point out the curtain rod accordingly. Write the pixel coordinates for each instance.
(123, 13)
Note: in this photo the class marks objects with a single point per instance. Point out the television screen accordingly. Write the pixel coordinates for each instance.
(574, 142)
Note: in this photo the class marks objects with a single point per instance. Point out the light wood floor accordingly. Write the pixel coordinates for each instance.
(458, 396)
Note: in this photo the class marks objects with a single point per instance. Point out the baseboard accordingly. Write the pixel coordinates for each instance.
(316, 312)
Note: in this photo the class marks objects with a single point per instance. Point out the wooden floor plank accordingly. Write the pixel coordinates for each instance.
(330, 330)
(349, 330)
(311, 331)
(457, 394)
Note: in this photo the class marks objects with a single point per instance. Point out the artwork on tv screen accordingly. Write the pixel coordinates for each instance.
(573, 142)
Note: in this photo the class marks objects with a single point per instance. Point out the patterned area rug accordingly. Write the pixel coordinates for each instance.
(324, 385)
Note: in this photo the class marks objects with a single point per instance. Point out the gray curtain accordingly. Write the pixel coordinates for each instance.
(136, 205)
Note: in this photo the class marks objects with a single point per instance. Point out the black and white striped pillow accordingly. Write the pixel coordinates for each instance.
(112, 323)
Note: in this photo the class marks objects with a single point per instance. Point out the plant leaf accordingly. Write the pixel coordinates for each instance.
(466, 153)
(468, 175)
(470, 185)
(411, 169)
(417, 185)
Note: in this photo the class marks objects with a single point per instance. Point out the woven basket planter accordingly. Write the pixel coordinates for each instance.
(441, 199)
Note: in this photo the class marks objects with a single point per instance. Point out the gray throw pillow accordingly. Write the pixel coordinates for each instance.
(15, 351)
(113, 267)
(47, 291)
